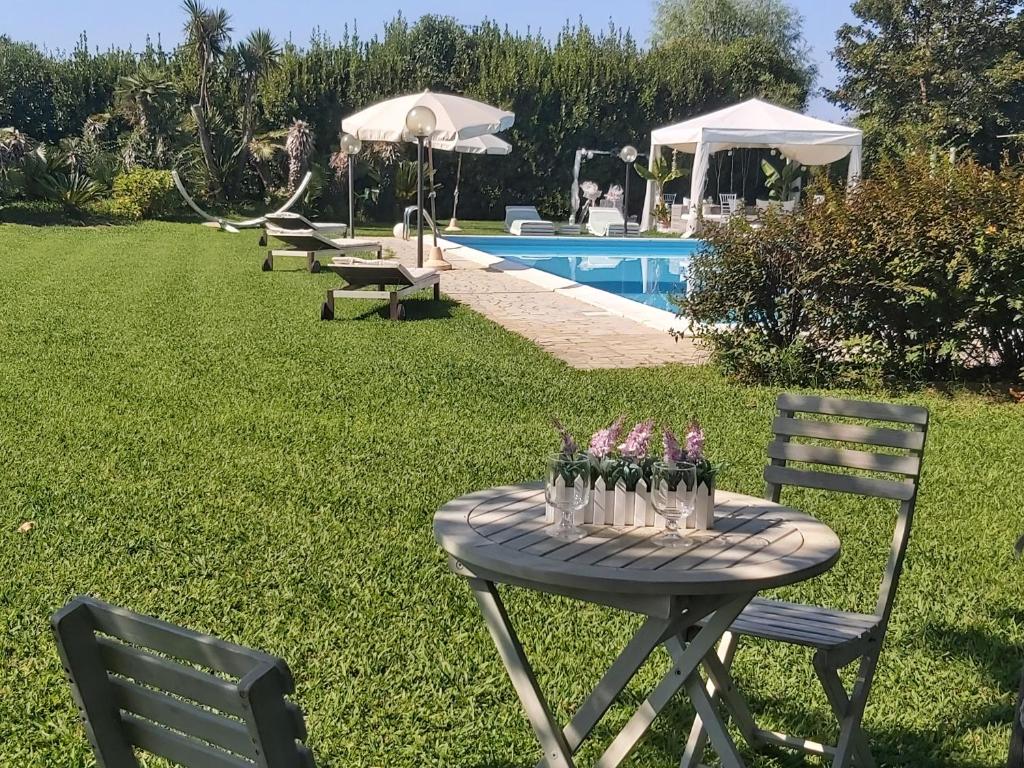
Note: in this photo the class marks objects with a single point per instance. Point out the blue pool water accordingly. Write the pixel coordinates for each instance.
(641, 269)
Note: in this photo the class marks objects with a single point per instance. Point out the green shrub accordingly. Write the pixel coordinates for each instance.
(144, 193)
(917, 275)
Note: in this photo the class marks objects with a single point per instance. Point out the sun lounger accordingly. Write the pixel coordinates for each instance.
(288, 220)
(524, 220)
(392, 279)
(312, 245)
(608, 222)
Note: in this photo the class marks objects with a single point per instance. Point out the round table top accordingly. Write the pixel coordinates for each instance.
(756, 545)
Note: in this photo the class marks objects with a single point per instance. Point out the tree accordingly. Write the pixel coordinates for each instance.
(207, 34)
(258, 56)
(726, 21)
(930, 73)
(299, 147)
(144, 96)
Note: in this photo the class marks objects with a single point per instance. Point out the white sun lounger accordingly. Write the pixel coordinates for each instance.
(524, 220)
(392, 279)
(289, 220)
(312, 245)
(608, 222)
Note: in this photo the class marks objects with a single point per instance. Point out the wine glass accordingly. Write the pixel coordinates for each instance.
(567, 490)
(673, 488)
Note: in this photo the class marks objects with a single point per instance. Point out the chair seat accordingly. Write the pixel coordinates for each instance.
(808, 625)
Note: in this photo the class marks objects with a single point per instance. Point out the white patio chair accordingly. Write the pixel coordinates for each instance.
(838, 638)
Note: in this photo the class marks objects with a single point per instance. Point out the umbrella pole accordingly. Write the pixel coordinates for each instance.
(453, 225)
(419, 201)
(436, 260)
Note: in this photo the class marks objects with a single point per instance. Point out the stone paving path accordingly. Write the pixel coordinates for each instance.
(553, 321)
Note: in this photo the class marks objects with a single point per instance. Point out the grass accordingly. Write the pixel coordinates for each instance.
(194, 443)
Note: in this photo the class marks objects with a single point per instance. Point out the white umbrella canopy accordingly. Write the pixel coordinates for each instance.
(478, 145)
(457, 118)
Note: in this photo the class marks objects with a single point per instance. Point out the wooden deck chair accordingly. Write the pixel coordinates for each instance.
(839, 638)
(312, 245)
(289, 220)
(393, 282)
(143, 684)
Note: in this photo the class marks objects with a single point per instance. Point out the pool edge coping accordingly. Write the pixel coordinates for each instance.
(652, 317)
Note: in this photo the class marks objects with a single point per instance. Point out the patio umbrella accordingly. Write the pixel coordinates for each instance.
(457, 118)
(480, 145)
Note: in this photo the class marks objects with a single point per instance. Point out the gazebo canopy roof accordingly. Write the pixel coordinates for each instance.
(757, 123)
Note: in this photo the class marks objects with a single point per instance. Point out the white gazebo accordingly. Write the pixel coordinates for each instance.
(752, 124)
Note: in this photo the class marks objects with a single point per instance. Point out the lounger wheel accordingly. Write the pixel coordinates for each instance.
(263, 239)
(400, 313)
(326, 312)
(315, 267)
(268, 265)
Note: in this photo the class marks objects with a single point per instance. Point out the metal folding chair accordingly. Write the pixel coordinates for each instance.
(197, 701)
(839, 638)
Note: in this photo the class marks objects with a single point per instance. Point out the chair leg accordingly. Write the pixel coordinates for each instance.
(327, 310)
(394, 305)
(698, 738)
(849, 710)
(437, 291)
(268, 263)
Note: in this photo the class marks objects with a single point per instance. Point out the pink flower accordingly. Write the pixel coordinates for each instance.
(569, 447)
(695, 442)
(673, 451)
(638, 440)
(603, 441)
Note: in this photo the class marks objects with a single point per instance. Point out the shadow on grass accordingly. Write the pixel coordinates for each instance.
(415, 309)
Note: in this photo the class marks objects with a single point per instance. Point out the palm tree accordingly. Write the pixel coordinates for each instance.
(299, 147)
(207, 33)
(258, 56)
(143, 95)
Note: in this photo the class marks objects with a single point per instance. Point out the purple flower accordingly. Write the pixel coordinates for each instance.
(569, 447)
(636, 443)
(673, 451)
(695, 442)
(603, 441)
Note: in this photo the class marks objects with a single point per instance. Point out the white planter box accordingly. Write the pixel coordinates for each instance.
(602, 504)
(704, 508)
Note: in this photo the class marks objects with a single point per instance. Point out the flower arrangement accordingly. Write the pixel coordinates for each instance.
(621, 468)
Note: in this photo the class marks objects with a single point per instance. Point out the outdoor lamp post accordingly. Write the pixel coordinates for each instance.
(351, 146)
(421, 123)
(628, 156)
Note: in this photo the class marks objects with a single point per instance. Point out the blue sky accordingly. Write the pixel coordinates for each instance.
(56, 24)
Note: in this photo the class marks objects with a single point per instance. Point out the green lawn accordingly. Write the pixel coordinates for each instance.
(194, 443)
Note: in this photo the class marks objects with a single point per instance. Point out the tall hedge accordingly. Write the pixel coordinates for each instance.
(583, 88)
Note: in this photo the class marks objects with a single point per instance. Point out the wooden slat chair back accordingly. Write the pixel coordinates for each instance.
(143, 684)
(824, 443)
(899, 466)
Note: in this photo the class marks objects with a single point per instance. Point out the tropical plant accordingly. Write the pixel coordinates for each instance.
(299, 147)
(265, 151)
(781, 183)
(74, 191)
(13, 146)
(143, 193)
(660, 173)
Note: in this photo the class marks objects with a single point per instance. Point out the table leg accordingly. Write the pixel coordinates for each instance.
(687, 661)
(552, 740)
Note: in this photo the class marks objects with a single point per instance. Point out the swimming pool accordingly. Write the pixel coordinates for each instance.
(645, 270)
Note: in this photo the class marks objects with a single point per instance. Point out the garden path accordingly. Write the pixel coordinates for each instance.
(553, 320)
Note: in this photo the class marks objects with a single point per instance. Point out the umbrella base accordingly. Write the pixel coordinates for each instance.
(453, 226)
(436, 260)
